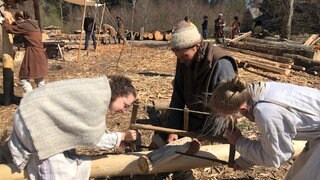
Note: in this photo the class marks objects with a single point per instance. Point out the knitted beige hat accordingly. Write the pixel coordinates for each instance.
(184, 36)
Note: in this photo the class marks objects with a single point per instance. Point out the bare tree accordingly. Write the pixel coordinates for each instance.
(287, 19)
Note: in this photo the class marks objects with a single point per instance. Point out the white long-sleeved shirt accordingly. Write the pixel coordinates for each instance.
(279, 125)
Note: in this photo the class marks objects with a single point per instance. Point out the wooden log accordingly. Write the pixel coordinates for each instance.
(127, 164)
(298, 68)
(303, 61)
(268, 67)
(315, 41)
(145, 35)
(167, 36)
(274, 50)
(243, 36)
(163, 155)
(158, 36)
(271, 57)
(150, 36)
(311, 39)
(316, 55)
(279, 44)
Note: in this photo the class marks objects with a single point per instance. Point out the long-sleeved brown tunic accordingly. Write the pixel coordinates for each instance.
(35, 63)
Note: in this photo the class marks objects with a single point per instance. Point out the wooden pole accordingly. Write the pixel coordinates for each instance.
(37, 11)
(103, 11)
(83, 16)
(8, 95)
(127, 164)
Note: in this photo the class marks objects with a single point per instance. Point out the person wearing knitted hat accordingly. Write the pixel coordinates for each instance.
(200, 67)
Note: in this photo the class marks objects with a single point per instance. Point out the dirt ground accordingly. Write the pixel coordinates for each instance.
(152, 70)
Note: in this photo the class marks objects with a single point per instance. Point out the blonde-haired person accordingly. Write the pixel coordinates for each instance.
(283, 112)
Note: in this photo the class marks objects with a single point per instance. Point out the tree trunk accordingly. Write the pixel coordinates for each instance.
(287, 19)
(37, 11)
(127, 164)
(158, 36)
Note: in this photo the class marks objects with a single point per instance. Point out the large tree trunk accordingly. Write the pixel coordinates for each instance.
(287, 19)
(127, 164)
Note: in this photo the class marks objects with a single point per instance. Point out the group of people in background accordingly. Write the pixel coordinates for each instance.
(44, 138)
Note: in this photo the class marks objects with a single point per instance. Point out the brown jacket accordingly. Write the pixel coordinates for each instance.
(34, 64)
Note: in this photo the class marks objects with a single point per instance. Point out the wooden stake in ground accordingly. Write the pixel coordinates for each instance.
(83, 16)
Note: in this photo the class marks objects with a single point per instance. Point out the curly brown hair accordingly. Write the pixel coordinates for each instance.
(121, 86)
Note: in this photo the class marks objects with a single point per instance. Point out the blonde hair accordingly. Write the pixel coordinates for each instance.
(228, 96)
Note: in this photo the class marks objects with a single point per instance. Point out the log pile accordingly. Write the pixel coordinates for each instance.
(277, 56)
(156, 35)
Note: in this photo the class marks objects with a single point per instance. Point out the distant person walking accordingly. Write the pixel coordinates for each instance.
(35, 63)
(235, 27)
(205, 27)
(219, 24)
(121, 30)
(89, 27)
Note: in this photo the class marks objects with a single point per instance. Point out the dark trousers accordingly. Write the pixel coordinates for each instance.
(205, 33)
(88, 36)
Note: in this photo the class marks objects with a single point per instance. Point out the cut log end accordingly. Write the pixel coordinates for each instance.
(145, 164)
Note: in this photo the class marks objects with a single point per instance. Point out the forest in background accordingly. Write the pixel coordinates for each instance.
(164, 14)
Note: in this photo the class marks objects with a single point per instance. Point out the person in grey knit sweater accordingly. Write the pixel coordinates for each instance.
(53, 120)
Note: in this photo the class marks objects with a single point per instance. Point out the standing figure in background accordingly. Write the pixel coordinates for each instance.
(89, 27)
(219, 24)
(108, 29)
(235, 27)
(205, 27)
(121, 30)
(35, 63)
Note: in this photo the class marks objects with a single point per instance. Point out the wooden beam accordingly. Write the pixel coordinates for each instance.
(127, 164)
(311, 39)
(237, 39)
(268, 67)
(271, 57)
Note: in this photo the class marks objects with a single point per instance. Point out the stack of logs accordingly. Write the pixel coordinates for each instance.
(277, 56)
(156, 35)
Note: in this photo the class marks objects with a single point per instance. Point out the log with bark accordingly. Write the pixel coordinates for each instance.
(127, 164)
(271, 57)
(167, 36)
(311, 40)
(274, 49)
(303, 61)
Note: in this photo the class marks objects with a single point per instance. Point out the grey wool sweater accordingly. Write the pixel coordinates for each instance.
(66, 114)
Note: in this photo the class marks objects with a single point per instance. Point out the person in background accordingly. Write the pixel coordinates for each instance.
(235, 31)
(55, 119)
(108, 29)
(121, 30)
(89, 27)
(219, 25)
(282, 112)
(205, 27)
(35, 63)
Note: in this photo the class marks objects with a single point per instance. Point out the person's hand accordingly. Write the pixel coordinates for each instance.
(172, 137)
(129, 135)
(194, 146)
(233, 136)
